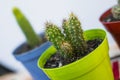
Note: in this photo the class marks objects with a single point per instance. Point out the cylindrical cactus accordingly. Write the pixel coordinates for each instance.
(116, 10)
(66, 30)
(32, 38)
(77, 39)
(74, 34)
(71, 41)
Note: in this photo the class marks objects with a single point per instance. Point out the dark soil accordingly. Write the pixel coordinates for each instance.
(110, 18)
(56, 60)
(25, 47)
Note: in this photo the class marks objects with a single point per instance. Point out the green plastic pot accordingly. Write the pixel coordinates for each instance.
(94, 66)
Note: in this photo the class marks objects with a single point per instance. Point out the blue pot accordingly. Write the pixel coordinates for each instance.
(29, 60)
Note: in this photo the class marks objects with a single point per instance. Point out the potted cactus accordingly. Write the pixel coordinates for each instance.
(29, 52)
(111, 20)
(76, 54)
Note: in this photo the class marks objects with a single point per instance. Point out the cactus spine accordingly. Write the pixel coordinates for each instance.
(116, 10)
(32, 39)
(71, 41)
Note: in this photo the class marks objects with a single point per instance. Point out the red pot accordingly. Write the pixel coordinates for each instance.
(112, 27)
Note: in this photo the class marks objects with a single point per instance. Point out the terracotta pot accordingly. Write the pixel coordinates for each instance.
(112, 27)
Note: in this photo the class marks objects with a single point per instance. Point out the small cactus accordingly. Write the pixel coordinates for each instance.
(116, 10)
(32, 38)
(55, 35)
(69, 42)
(76, 32)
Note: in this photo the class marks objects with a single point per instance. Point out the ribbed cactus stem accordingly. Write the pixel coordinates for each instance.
(55, 35)
(116, 10)
(32, 38)
(67, 31)
(78, 42)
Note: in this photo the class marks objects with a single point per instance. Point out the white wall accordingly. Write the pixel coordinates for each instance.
(40, 11)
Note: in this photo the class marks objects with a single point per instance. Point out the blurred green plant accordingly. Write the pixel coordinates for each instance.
(32, 38)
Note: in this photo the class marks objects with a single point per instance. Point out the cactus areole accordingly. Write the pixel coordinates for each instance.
(69, 42)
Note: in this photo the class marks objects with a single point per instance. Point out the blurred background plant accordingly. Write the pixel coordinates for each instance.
(116, 10)
(32, 38)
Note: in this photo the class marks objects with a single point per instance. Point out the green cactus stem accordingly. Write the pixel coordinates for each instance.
(55, 35)
(116, 10)
(66, 30)
(32, 38)
(74, 34)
